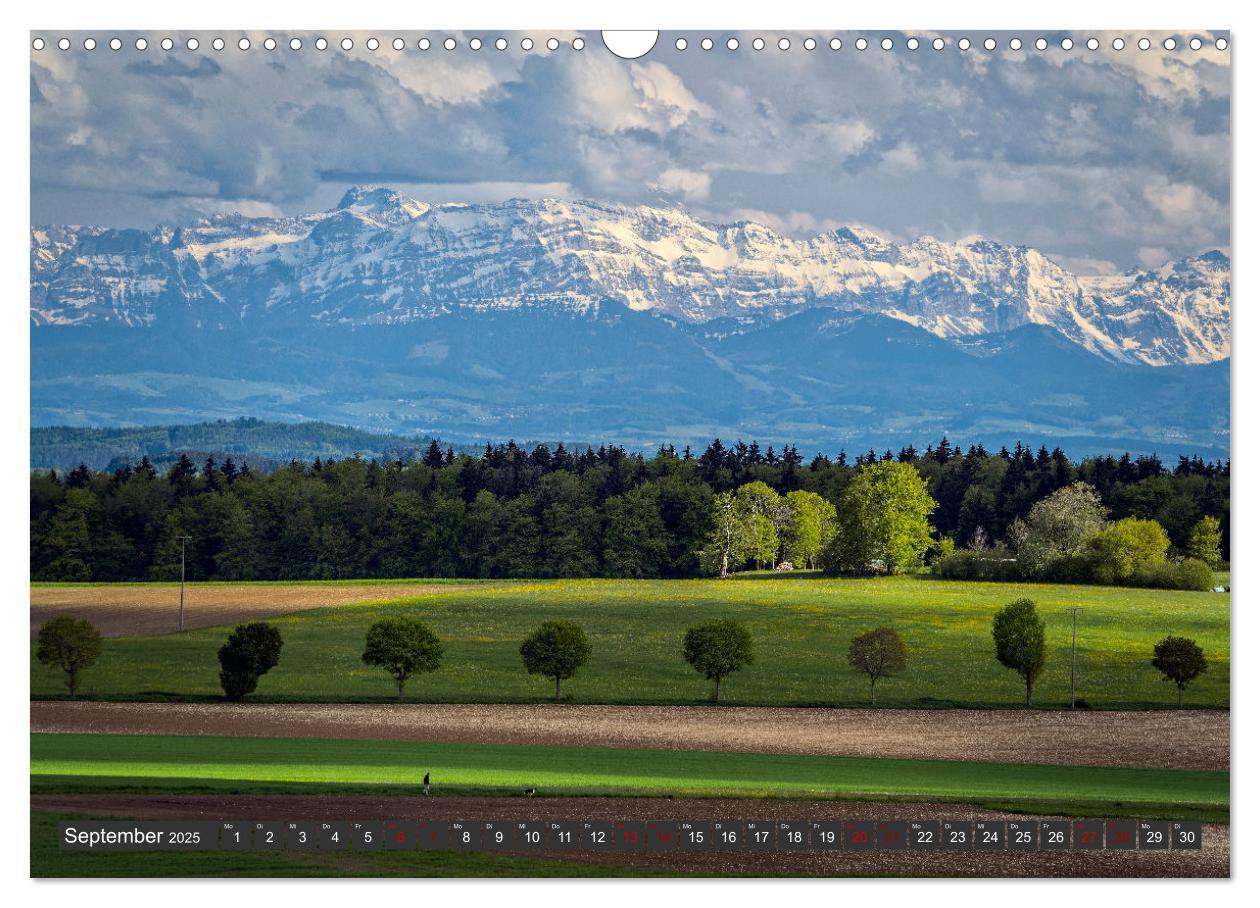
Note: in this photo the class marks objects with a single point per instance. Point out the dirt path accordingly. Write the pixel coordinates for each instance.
(1211, 861)
(146, 609)
(1189, 739)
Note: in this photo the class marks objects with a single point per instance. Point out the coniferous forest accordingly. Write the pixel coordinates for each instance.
(546, 512)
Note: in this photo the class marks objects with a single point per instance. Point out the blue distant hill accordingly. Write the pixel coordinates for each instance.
(823, 379)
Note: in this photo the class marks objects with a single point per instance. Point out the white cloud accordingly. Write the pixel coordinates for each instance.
(1012, 185)
(613, 97)
(1178, 201)
(1087, 155)
(848, 137)
(471, 192)
(799, 224)
(1153, 256)
(902, 158)
(1085, 265)
(665, 94)
(1175, 75)
(441, 82)
(251, 208)
(692, 185)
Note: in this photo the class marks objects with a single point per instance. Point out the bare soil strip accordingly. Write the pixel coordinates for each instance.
(146, 609)
(1211, 861)
(1168, 739)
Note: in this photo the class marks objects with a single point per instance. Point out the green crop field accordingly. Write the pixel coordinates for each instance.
(801, 627)
(209, 763)
(367, 581)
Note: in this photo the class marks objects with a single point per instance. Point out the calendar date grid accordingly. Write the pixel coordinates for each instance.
(633, 835)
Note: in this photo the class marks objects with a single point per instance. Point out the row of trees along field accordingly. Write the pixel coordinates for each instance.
(405, 647)
(551, 512)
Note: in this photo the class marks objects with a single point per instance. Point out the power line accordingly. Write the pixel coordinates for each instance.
(183, 558)
(1074, 610)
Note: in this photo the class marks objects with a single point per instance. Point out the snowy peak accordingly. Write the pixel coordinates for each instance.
(1179, 312)
(382, 204)
(381, 257)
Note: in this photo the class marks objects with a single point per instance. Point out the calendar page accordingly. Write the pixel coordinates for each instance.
(626, 454)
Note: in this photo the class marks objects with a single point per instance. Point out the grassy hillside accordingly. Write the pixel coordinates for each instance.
(163, 762)
(801, 628)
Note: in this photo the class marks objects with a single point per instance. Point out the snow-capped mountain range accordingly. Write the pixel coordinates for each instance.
(381, 258)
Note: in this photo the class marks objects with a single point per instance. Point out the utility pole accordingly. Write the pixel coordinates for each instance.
(1074, 611)
(183, 558)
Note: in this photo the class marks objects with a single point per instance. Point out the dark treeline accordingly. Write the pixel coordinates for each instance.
(262, 444)
(545, 512)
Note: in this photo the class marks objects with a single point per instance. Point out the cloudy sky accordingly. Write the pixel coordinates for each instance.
(1103, 159)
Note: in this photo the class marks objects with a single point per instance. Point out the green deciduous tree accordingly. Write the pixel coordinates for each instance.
(877, 654)
(1059, 526)
(569, 528)
(1205, 541)
(251, 651)
(508, 512)
(718, 648)
(504, 536)
(883, 519)
(70, 644)
(686, 508)
(1180, 660)
(731, 540)
(557, 649)
(403, 647)
(767, 515)
(1123, 549)
(811, 526)
(636, 543)
(1019, 640)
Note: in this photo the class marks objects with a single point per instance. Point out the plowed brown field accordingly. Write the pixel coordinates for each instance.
(1211, 861)
(1175, 739)
(146, 609)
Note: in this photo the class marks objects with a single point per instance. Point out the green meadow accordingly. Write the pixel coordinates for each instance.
(71, 762)
(801, 627)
